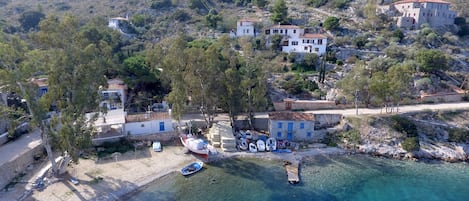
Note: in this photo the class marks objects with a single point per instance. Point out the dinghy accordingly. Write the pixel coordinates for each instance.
(192, 168)
(260, 145)
(252, 147)
(243, 144)
(271, 144)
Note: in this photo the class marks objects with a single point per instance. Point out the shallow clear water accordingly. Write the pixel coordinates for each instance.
(328, 178)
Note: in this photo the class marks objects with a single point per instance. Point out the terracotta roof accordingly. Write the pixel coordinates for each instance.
(285, 27)
(147, 116)
(40, 82)
(116, 84)
(421, 1)
(295, 116)
(313, 36)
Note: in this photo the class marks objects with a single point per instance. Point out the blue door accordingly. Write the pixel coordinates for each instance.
(161, 126)
(290, 131)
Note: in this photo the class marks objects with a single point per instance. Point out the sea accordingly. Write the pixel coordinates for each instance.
(323, 178)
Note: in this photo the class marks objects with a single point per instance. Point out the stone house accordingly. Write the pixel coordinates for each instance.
(414, 13)
(292, 126)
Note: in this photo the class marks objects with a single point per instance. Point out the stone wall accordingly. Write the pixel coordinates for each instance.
(12, 168)
(164, 137)
(442, 98)
(305, 105)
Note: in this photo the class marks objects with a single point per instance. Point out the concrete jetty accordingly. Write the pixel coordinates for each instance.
(292, 169)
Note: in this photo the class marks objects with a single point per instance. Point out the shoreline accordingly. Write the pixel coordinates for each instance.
(134, 171)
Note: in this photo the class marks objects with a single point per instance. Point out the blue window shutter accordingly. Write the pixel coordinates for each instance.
(279, 124)
(279, 134)
(302, 125)
(308, 134)
(161, 126)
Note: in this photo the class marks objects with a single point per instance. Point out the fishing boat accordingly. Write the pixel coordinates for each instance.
(252, 147)
(192, 168)
(197, 146)
(271, 144)
(260, 145)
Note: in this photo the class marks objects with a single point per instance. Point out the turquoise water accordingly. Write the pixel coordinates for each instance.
(328, 178)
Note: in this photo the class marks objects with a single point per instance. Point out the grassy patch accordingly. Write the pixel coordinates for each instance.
(411, 144)
(458, 135)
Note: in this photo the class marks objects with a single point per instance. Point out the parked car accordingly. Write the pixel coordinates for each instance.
(156, 146)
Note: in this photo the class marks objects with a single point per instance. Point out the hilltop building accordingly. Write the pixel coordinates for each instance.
(413, 13)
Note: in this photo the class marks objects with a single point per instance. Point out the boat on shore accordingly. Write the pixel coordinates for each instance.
(271, 144)
(260, 145)
(243, 144)
(198, 146)
(252, 147)
(192, 168)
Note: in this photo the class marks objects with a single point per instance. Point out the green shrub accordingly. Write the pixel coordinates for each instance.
(316, 3)
(411, 144)
(458, 135)
(352, 136)
(158, 4)
(404, 125)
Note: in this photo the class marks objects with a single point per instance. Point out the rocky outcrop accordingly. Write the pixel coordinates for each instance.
(380, 140)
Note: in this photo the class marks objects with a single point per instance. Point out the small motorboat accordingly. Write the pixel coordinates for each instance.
(271, 144)
(260, 145)
(243, 144)
(192, 168)
(197, 146)
(252, 147)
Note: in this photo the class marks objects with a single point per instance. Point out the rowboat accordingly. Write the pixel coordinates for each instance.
(192, 168)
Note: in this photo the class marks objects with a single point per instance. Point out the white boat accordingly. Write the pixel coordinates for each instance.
(252, 147)
(248, 134)
(195, 145)
(271, 144)
(260, 145)
(243, 144)
(192, 168)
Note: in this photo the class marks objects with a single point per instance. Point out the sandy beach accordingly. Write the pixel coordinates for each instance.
(112, 178)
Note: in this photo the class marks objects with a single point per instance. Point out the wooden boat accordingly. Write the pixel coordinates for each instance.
(192, 168)
(243, 144)
(271, 144)
(260, 145)
(195, 145)
(252, 147)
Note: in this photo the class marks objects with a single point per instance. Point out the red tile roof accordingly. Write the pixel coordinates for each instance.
(422, 1)
(313, 36)
(295, 116)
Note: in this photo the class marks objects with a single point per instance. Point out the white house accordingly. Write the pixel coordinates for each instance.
(245, 27)
(292, 126)
(114, 96)
(295, 39)
(414, 13)
(148, 123)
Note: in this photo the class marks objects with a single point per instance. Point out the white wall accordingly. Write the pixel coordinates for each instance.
(148, 127)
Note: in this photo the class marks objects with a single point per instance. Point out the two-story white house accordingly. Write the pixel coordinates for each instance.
(295, 39)
(114, 96)
(245, 27)
(292, 126)
(414, 13)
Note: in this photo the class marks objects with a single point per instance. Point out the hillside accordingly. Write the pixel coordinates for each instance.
(442, 135)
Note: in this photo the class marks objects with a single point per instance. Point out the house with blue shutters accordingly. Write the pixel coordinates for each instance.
(292, 126)
(151, 122)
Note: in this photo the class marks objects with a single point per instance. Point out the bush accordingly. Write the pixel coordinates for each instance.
(404, 125)
(158, 4)
(30, 19)
(458, 135)
(181, 15)
(316, 3)
(352, 136)
(411, 144)
(121, 146)
(331, 23)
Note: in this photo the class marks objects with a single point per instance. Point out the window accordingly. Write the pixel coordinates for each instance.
(286, 31)
(308, 134)
(279, 134)
(320, 41)
(303, 40)
(316, 49)
(306, 48)
(294, 43)
(302, 125)
(294, 31)
(281, 31)
(275, 31)
(247, 31)
(279, 125)
(307, 41)
(161, 126)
